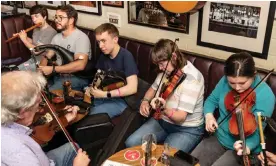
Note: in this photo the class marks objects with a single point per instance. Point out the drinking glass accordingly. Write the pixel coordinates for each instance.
(145, 140)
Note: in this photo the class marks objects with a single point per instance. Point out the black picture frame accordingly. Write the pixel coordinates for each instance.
(167, 20)
(51, 4)
(108, 3)
(19, 4)
(29, 4)
(5, 2)
(86, 9)
(264, 48)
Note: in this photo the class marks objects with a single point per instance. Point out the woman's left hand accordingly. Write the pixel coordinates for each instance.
(158, 102)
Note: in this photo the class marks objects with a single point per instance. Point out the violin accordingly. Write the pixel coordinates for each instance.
(45, 124)
(250, 124)
(242, 122)
(167, 90)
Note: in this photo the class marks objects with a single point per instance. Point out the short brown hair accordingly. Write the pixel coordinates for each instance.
(70, 12)
(109, 28)
(38, 9)
(163, 51)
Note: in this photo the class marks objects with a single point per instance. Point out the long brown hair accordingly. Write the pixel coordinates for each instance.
(163, 51)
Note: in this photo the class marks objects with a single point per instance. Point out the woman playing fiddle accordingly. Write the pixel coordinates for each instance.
(181, 123)
(20, 99)
(240, 76)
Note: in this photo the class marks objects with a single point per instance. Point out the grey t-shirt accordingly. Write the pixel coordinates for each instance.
(77, 42)
(43, 36)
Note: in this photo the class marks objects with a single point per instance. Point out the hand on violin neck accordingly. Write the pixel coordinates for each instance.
(211, 123)
(72, 112)
(158, 102)
(238, 148)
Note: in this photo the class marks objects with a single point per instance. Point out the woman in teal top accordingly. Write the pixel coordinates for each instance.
(240, 75)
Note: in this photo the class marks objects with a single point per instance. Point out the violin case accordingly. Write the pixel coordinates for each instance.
(92, 132)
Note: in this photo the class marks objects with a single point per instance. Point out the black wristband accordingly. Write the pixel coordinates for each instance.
(108, 94)
(54, 70)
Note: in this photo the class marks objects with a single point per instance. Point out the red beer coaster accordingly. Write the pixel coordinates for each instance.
(132, 155)
(57, 100)
(153, 161)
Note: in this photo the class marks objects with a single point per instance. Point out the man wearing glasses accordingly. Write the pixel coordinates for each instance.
(72, 39)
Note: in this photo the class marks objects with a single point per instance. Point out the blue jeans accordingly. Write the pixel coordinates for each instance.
(76, 82)
(63, 155)
(180, 137)
(112, 106)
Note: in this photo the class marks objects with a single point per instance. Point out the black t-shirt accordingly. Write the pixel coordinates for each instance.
(123, 62)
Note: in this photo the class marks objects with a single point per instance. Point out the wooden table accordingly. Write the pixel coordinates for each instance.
(119, 156)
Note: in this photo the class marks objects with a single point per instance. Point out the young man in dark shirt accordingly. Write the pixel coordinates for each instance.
(115, 58)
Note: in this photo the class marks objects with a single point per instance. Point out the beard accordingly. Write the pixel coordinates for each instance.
(63, 27)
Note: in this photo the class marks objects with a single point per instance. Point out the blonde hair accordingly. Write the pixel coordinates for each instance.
(19, 90)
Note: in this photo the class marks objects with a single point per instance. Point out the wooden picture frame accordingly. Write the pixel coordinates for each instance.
(119, 4)
(89, 7)
(51, 4)
(151, 14)
(237, 26)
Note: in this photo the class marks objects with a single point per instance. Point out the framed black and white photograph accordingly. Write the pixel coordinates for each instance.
(119, 4)
(51, 4)
(152, 14)
(90, 7)
(29, 4)
(237, 26)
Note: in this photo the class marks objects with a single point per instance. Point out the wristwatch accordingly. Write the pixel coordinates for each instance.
(108, 94)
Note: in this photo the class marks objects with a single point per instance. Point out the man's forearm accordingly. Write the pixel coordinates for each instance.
(72, 67)
(28, 43)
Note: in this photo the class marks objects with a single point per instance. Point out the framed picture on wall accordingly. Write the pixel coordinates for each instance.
(90, 7)
(151, 14)
(119, 4)
(5, 2)
(237, 26)
(29, 4)
(19, 4)
(51, 4)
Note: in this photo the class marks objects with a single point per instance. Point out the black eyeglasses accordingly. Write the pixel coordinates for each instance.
(59, 18)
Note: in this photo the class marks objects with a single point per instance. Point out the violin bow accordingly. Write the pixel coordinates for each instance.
(262, 137)
(240, 122)
(73, 144)
(232, 111)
